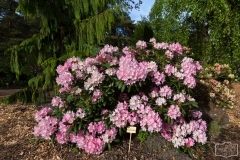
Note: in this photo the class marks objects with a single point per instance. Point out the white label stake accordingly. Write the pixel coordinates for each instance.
(130, 129)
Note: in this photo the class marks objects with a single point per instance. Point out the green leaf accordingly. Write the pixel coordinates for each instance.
(123, 88)
(168, 119)
(106, 65)
(129, 89)
(66, 123)
(69, 131)
(75, 130)
(178, 150)
(80, 126)
(120, 131)
(97, 119)
(104, 146)
(106, 124)
(109, 147)
(120, 85)
(70, 98)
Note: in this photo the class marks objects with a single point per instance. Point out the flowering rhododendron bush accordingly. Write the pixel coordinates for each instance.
(217, 79)
(148, 86)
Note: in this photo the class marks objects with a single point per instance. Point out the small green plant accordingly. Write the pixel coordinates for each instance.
(142, 135)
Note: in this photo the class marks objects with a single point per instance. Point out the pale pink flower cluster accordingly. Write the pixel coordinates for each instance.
(93, 143)
(80, 113)
(64, 126)
(109, 135)
(96, 127)
(158, 78)
(57, 101)
(161, 101)
(130, 71)
(120, 115)
(175, 47)
(96, 95)
(46, 127)
(162, 45)
(65, 79)
(104, 111)
(68, 117)
(95, 79)
(174, 111)
(141, 44)
(197, 114)
(166, 91)
(149, 120)
(42, 113)
(105, 54)
(179, 97)
(169, 54)
(154, 92)
(189, 69)
(196, 128)
(61, 136)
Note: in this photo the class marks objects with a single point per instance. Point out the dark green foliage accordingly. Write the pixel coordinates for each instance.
(68, 28)
(210, 28)
(121, 32)
(13, 30)
(143, 31)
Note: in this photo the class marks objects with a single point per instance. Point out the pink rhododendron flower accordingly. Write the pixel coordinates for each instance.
(189, 142)
(109, 135)
(166, 91)
(68, 117)
(105, 111)
(162, 45)
(80, 113)
(179, 97)
(174, 112)
(158, 78)
(93, 145)
(154, 92)
(39, 115)
(190, 81)
(152, 40)
(141, 44)
(197, 114)
(175, 47)
(161, 101)
(46, 127)
(96, 95)
(169, 54)
(56, 101)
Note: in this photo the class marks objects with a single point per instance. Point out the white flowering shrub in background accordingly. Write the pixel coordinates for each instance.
(217, 79)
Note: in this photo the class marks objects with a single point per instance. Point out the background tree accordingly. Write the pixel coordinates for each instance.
(13, 30)
(121, 32)
(143, 31)
(68, 28)
(210, 27)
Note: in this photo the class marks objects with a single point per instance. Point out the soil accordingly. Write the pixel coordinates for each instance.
(17, 123)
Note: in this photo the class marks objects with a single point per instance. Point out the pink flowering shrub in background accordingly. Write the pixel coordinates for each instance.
(148, 86)
(217, 79)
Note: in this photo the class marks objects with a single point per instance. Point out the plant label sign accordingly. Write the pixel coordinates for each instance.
(131, 129)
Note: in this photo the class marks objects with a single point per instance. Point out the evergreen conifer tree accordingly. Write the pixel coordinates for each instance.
(68, 28)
